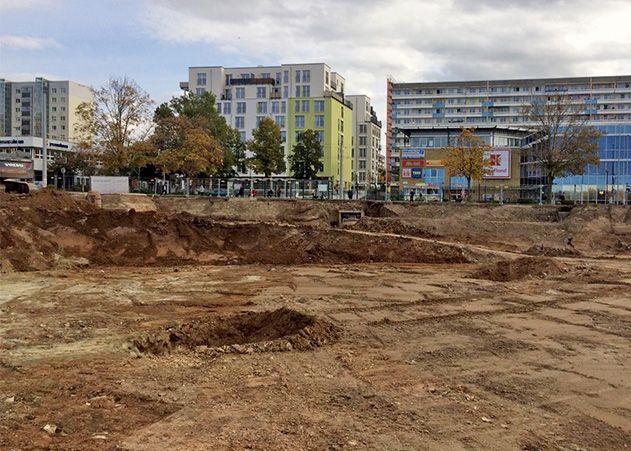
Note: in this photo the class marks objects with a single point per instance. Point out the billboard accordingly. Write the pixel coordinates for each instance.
(15, 169)
(499, 163)
(406, 173)
(417, 173)
(414, 154)
(413, 163)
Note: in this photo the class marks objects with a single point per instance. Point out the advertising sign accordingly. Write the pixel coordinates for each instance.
(16, 169)
(406, 173)
(433, 163)
(500, 164)
(413, 163)
(417, 173)
(414, 154)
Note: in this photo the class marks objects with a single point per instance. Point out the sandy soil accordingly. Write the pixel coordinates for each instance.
(483, 348)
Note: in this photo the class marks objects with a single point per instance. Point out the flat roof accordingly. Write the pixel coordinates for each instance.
(587, 79)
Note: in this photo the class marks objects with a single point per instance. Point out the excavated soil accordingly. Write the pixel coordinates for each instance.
(279, 330)
(521, 268)
(159, 324)
(72, 233)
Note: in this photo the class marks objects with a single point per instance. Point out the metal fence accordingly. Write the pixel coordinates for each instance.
(286, 188)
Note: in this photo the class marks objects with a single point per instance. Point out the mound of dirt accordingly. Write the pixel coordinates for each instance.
(521, 268)
(547, 251)
(46, 198)
(34, 239)
(278, 330)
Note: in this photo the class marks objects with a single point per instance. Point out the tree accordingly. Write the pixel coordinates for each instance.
(304, 161)
(467, 158)
(185, 148)
(202, 113)
(266, 145)
(82, 162)
(234, 160)
(118, 117)
(563, 142)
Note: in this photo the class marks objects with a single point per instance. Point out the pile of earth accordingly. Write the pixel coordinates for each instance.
(279, 330)
(34, 238)
(521, 268)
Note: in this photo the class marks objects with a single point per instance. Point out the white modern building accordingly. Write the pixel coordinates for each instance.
(367, 142)
(21, 123)
(296, 96)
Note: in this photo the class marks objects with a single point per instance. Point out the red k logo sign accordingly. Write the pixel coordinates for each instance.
(495, 160)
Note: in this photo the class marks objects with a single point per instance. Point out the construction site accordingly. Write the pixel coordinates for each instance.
(145, 322)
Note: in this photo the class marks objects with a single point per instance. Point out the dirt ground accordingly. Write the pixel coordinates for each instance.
(221, 331)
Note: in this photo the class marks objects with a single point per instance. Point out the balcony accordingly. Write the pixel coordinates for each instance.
(184, 85)
(251, 81)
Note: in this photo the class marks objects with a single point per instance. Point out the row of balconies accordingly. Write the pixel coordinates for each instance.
(512, 93)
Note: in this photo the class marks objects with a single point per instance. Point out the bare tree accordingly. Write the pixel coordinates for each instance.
(564, 144)
(119, 116)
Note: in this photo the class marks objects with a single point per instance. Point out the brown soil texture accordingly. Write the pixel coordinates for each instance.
(280, 330)
(521, 268)
(73, 233)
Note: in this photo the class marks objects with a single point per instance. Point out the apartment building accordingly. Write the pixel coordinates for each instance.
(23, 105)
(297, 96)
(367, 142)
(424, 117)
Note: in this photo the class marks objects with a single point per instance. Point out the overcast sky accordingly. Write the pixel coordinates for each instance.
(154, 41)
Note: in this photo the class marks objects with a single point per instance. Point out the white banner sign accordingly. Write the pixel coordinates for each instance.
(499, 164)
(109, 185)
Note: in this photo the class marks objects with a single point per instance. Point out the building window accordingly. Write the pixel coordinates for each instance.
(240, 93)
(239, 122)
(54, 90)
(286, 76)
(321, 138)
(318, 106)
(285, 92)
(259, 119)
(265, 75)
(283, 136)
(200, 91)
(306, 76)
(362, 153)
(261, 92)
(242, 136)
(241, 109)
(226, 108)
(201, 79)
(297, 91)
(63, 118)
(63, 90)
(326, 78)
(218, 107)
(319, 121)
(305, 106)
(297, 76)
(280, 121)
(283, 107)
(300, 122)
(275, 107)
(362, 128)
(278, 78)
(362, 164)
(362, 140)
(306, 91)
(297, 106)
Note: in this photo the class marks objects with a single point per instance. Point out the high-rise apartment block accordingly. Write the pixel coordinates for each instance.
(297, 96)
(425, 117)
(367, 142)
(23, 106)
